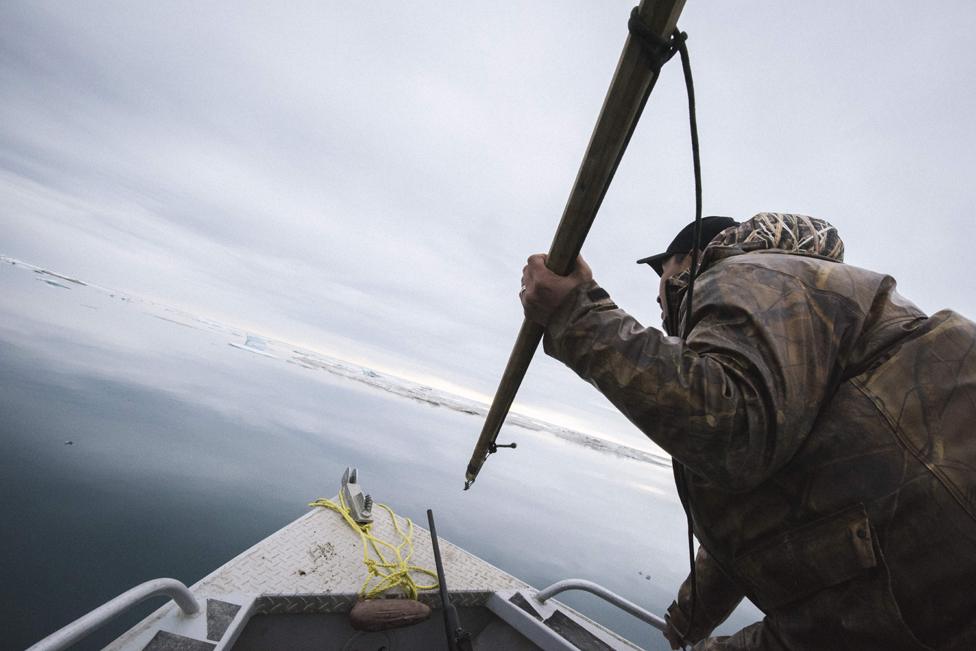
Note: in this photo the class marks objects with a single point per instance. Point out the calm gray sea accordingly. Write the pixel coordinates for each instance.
(136, 443)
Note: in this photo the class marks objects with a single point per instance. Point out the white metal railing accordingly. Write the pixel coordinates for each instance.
(85, 624)
(606, 595)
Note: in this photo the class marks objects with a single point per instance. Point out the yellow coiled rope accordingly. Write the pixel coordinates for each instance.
(387, 574)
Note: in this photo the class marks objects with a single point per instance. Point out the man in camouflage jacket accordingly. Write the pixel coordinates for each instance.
(823, 431)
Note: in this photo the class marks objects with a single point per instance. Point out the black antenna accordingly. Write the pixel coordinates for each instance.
(457, 638)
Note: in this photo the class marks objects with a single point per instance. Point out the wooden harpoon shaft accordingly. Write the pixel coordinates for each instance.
(631, 86)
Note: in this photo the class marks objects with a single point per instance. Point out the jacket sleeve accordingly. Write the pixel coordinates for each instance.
(717, 598)
(734, 401)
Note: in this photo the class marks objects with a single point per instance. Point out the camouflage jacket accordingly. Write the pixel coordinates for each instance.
(827, 432)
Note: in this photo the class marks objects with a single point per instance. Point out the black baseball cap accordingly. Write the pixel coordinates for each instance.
(684, 241)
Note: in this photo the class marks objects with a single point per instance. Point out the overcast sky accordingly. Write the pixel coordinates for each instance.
(368, 178)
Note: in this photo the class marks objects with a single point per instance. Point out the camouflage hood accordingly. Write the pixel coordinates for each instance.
(798, 234)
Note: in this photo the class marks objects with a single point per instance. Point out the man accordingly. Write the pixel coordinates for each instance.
(822, 430)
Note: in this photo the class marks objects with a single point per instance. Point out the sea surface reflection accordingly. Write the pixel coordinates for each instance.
(136, 443)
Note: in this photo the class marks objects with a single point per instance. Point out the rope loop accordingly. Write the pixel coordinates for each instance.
(659, 50)
(383, 575)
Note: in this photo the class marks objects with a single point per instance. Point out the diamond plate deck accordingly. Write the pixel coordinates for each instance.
(319, 554)
(316, 564)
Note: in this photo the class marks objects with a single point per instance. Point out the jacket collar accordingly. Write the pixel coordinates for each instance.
(766, 231)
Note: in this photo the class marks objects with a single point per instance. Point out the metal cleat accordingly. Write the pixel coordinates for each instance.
(360, 505)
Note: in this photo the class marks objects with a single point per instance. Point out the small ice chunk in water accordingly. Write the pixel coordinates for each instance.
(254, 344)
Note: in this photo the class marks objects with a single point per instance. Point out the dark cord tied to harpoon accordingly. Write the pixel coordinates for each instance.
(660, 51)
